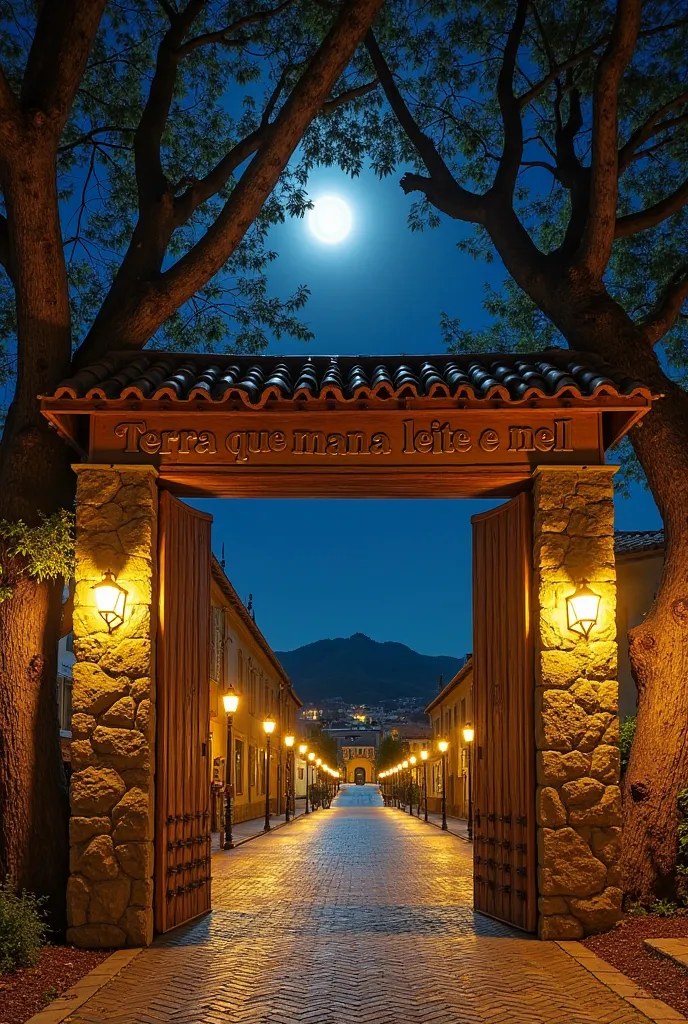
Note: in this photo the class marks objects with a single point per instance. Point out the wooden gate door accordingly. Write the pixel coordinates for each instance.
(182, 785)
(504, 853)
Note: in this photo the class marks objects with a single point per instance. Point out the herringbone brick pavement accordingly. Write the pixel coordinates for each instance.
(354, 915)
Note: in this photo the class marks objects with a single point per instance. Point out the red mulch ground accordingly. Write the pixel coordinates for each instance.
(623, 948)
(29, 989)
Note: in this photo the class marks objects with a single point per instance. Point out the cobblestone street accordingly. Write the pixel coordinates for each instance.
(354, 915)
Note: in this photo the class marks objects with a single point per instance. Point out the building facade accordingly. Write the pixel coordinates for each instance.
(242, 659)
(449, 712)
(639, 564)
(356, 753)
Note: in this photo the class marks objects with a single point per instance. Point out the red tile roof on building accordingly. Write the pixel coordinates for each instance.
(255, 381)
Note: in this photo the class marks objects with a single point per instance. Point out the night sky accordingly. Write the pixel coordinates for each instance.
(397, 569)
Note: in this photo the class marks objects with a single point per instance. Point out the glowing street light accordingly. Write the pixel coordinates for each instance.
(469, 736)
(289, 744)
(230, 701)
(424, 754)
(444, 747)
(268, 728)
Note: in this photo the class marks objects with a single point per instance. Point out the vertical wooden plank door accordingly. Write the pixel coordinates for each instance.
(182, 788)
(504, 853)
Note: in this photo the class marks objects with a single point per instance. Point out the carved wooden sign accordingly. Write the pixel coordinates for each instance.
(451, 438)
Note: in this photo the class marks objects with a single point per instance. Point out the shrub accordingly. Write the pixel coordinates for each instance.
(626, 734)
(22, 928)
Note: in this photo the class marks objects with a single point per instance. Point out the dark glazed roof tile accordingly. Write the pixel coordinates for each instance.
(630, 542)
(256, 380)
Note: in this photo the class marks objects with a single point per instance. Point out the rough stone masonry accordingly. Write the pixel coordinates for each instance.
(110, 890)
(576, 705)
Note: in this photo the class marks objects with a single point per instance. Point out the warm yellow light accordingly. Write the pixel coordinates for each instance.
(289, 741)
(303, 747)
(399, 766)
(468, 733)
(444, 746)
(404, 764)
(582, 608)
(424, 755)
(230, 701)
(269, 726)
(311, 756)
(110, 600)
(413, 759)
(318, 762)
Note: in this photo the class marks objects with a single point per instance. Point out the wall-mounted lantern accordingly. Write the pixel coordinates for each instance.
(582, 608)
(468, 733)
(110, 600)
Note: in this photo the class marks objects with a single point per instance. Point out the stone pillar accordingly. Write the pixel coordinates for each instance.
(110, 889)
(576, 706)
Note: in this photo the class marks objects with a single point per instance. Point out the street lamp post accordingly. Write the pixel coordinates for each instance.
(444, 747)
(317, 781)
(412, 775)
(311, 759)
(469, 735)
(269, 728)
(289, 744)
(405, 786)
(424, 759)
(230, 701)
(303, 750)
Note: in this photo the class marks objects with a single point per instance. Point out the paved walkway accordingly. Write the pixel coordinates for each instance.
(354, 915)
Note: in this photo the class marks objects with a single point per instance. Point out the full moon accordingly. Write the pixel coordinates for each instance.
(330, 220)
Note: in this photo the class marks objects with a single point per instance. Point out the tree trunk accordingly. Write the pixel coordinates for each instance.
(34, 468)
(658, 767)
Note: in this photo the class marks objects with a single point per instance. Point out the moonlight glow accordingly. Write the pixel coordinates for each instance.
(330, 220)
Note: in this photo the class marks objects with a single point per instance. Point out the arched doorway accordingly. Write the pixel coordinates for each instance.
(360, 776)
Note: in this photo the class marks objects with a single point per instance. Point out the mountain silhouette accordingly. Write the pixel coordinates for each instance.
(359, 669)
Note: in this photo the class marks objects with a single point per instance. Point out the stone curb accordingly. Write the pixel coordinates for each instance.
(624, 987)
(257, 835)
(675, 950)
(74, 997)
(434, 824)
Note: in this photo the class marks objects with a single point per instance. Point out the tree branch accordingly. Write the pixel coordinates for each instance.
(224, 36)
(150, 178)
(653, 215)
(651, 127)
(588, 51)
(510, 161)
(144, 308)
(61, 44)
(329, 106)
(599, 231)
(666, 311)
(68, 146)
(446, 191)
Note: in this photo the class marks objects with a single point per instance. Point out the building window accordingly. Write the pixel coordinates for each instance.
(64, 702)
(241, 672)
(252, 777)
(300, 774)
(463, 711)
(69, 643)
(239, 766)
(216, 643)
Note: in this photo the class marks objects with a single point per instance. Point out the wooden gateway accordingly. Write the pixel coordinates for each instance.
(530, 428)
